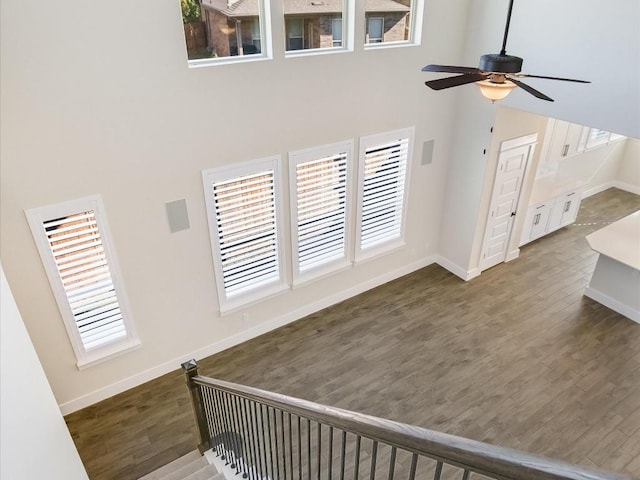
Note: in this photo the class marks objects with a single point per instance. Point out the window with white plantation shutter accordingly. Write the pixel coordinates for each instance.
(73, 245)
(243, 223)
(319, 209)
(384, 161)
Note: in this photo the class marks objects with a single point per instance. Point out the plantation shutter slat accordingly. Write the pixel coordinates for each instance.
(383, 192)
(78, 252)
(246, 227)
(321, 192)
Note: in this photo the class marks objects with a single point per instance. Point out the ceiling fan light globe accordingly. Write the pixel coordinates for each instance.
(495, 91)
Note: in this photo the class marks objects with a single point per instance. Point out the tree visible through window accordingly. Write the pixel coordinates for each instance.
(223, 28)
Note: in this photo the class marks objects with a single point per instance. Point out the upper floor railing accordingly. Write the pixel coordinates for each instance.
(266, 435)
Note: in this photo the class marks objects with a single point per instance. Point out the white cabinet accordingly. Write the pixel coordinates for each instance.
(565, 210)
(546, 217)
(565, 140)
(536, 222)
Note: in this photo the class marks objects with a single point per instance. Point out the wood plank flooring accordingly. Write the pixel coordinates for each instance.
(517, 357)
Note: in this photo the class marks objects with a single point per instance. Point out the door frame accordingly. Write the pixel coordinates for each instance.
(530, 140)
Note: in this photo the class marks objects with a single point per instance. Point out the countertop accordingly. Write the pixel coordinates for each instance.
(545, 189)
(619, 240)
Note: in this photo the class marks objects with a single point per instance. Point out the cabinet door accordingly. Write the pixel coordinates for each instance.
(557, 147)
(570, 208)
(574, 135)
(557, 212)
(539, 220)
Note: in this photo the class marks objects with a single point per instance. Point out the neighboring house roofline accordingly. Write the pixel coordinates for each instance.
(250, 8)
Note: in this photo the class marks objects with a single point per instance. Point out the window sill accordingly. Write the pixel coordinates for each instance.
(212, 62)
(108, 352)
(385, 45)
(316, 51)
(379, 251)
(327, 271)
(248, 300)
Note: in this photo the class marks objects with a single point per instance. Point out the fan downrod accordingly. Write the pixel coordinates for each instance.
(495, 62)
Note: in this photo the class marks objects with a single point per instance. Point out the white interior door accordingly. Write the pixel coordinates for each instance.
(512, 165)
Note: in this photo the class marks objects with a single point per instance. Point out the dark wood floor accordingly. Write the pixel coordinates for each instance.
(516, 357)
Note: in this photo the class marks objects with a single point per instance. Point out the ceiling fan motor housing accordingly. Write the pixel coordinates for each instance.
(494, 62)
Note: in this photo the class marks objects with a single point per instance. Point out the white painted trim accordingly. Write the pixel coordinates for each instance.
(597, 189)
(457, 270)
(307, 155)
(170, 366)
(627, 187)
(273, 165)
(519, 142)
(512, 255)
(36, 217)
(526, 141)
(613, 304)
(375, 140)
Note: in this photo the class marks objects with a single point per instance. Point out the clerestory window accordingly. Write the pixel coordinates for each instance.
(225, 31)
(393, 22)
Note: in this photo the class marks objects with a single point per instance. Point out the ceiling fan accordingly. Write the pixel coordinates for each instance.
(496, 76)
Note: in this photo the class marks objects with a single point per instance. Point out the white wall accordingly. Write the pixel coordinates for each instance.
(509, 124)
(34, 438)
(468, 162)
(97, 99)
(628, 173)
(584, 39)
(597, 169)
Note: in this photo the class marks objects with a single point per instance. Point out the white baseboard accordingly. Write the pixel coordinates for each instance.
(457, 270)
(512, 255)
(627, 187)
(613, 304)
(597, 189)
(164, 368)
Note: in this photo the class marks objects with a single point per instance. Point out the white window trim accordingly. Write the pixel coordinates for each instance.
(229, 305)
(266, 44)
(348, 36)
(36, 217)
(607, 139)
(397, 243)
(307, 155)
(416, 20)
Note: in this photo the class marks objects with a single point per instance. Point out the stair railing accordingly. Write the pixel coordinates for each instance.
(263, 435)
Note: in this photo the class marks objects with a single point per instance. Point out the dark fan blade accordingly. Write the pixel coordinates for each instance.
(449, 69)
(522, 75)
(531, 90)
(449, 82)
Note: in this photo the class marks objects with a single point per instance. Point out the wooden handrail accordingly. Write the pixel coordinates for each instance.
(483, 458)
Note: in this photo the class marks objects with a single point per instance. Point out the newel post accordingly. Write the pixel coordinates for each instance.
(190, 370)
